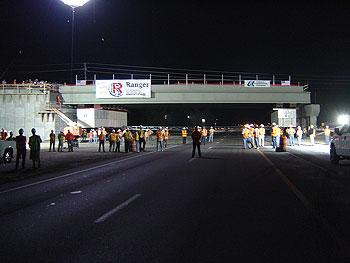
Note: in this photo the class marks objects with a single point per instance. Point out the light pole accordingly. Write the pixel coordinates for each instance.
(73, 4)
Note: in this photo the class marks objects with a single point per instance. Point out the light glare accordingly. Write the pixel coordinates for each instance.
(343, 119)
(75, 3)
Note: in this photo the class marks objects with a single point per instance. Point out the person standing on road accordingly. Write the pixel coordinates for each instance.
(60, 141)
(184, 135)
(204, 135)
(196, 140)
(91, 136)
(262, 136)
(70, 138)
(312, 134)
(21, 148)
(274, 134)
(118, 139)
(278, 137)
(142, 139)
(245, 134)
(137, 140)
(299, 135)
(159, 135)
(211, 134)
(52, 141)
(128, 138)
(112, 141)
(291, 133)
(256, 136)
(94, 133)
(102, 139)
(327, 134)
(150, 135)
(166, 137)
(34, 145)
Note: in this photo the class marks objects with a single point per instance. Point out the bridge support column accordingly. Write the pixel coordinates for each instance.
(307, 115)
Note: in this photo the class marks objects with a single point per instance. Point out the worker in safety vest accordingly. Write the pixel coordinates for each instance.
(211, 134)
(291, 133)
(159, 135)
(112, 141)
(137, 140)
(251, 135)
(245, 134)
(127, 139)
(299, 135)
(150, 135)
(166, 137)
(274, 135)
(204, 135)
(184, 135)
(91, 136)
(70, 137)
(101, 140)
(118, 139)
(142, 139)
(256, 136)
(327, 134)
(262, 135)
(94, 132)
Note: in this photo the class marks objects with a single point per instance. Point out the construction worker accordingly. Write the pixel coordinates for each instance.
(34, 145)
(101, 141)
(150, 134)
(166, 137)
(3, 134)
(196, 140)
(251, 135)
(70, 138)
(94, 132)
(84, 135)
(327, 134)
(274, 134)
(184, 135)
(11, 138)
(118, 139)
(60, 137)
(142, 139)
(262, 135)
(211, 134)
(245, 134)
(256, 136)
(278, 137)
(91, 136)
(291, 133)
(159, 135)
(299, 135)
(21, 148)
(127, 139)
(204, 135)
(112, 141)
(52, 141)
(312, 134)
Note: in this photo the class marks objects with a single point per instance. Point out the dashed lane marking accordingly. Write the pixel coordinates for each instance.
(118, 208)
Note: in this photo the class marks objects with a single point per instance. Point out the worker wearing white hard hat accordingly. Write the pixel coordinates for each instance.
(262, 135)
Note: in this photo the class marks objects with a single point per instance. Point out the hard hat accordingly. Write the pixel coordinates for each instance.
(113, 130)
(184, 128)
(119, 130)
(274, 124)
(211, 127)
(327, 126)
(261, 125)
(251, 125)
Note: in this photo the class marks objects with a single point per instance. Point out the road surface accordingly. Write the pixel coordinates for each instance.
(232, 205)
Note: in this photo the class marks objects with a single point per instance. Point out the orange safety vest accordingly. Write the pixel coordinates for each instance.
(204, 132)
(184, 133)
(142, 134)
(327, 132)
(257, 133)
(113, 137)
(291, 131)
(128, 136)
(274, 132)
(299, 133)
(159, 135)
(211, 131)
(245, 133)
(251, 132)
(166, 135)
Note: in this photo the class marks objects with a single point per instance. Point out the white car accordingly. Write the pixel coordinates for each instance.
(7, 150)
(340, 144)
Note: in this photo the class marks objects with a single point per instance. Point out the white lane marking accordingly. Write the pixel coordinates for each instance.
(210, 148)
(78, 172)
(75, 192)
(191, 160)
(118, 208)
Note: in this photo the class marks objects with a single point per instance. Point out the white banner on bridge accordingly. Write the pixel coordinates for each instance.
(123, 88)
(257, 83)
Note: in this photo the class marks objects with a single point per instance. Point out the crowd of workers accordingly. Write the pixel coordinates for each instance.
(254, 135)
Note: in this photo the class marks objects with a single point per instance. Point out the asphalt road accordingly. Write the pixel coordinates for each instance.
(232, 205)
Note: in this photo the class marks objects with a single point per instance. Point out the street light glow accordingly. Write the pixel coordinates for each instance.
(75, 3)
(343, 119)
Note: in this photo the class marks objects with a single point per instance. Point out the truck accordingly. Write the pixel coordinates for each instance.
(7, 151)
(340, 144)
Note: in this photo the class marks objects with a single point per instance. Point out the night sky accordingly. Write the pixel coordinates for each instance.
(310, 42)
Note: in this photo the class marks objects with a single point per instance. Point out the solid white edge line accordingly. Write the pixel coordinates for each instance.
(78, 172)
(191, 160)
(118, 208)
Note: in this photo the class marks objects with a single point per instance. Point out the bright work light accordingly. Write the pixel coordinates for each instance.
(343, 119)
(75, 3)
